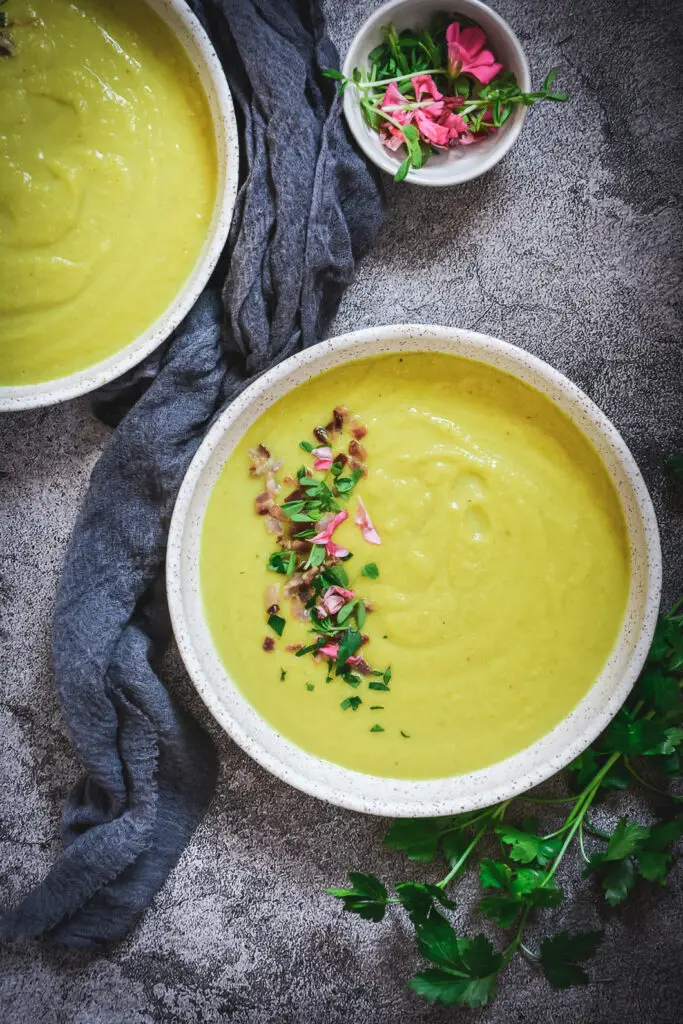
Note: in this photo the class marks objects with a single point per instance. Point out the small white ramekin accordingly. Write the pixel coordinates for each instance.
(455, 166)
(405, 797)
(196, 43)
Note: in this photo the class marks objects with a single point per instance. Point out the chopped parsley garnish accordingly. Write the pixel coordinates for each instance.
(387, 675)
(310, 686)
(405, 735)
(306, 446)
(276, 623)
(378, 686)
(283, 562)
(370, 570)
(336, 575)
(283, 675)
(377, 728)
(317, 556)
(351, 702)
(348, 647)
(377, 707)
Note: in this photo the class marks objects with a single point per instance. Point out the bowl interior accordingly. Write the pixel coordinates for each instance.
(196, 43)
(397, 797)
(464, 162)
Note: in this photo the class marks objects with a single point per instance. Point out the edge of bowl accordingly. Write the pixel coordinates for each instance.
(187, 28)
(376, 152)
(420, 801)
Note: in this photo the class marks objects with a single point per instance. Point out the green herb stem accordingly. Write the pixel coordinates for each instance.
(647, 785)
(579, 811)
(399, 78)
(461, 860)
(509, 951)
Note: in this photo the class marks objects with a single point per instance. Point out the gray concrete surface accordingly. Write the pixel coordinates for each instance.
(570, 249)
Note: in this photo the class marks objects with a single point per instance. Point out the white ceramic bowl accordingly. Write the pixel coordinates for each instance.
(194, 39)
(398, 797)
(465, 162)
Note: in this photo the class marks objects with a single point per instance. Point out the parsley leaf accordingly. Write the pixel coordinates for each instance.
(277, 624)
(351, 702)
(370, 570)
(282, 562)
(367, 898)
(350, 643)
(418, 899)
(377, 686)
(440, 986)
(494, 874)
(527, 848)
(471, 961)
(561, 955)
(377, 728)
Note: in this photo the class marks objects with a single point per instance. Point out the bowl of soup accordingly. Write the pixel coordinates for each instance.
(413, 570)
(118, 176)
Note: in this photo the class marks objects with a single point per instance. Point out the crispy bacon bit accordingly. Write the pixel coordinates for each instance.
(357, 451)
(293, 648)
(299, 610)
(288, 479)
(340, 460)
(274, 525)
(355, 464)
(263, 503)
(298, 495)
(263, 462)
(339, 414)
(320, 434)
(360, 664)
(365, 639)
(359, 432)
(268, 643)
(274, 609)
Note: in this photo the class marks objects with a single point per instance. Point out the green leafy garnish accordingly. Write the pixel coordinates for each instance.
(377, 728)
(646, 736)
(351, 702)
(276, 623)
(370, 570)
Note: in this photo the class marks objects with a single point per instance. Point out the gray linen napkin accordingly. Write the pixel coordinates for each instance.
(306, 208)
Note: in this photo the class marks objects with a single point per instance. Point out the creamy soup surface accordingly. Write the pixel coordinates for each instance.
(108, 173)
(503, 568)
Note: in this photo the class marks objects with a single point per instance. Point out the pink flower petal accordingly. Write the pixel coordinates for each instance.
(323, 458)
(325, 534)
(365, 522)
(334, 600)
(425, 84)
(431, 131)
(466, 53)
(393, 98)
(329, 650)
(336, 550)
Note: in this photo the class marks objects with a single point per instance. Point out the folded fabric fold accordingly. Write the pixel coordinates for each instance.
(307, 207)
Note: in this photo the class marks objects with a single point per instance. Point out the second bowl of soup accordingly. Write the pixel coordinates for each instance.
(118, 174)
(413, 571)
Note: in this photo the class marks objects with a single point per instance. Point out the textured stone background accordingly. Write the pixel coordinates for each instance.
(570, 249)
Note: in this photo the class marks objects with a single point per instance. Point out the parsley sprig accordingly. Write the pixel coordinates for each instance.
(642, 746)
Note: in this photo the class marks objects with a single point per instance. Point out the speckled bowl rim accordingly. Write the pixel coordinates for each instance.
(452, 173)
(188, 30)
(399, 797)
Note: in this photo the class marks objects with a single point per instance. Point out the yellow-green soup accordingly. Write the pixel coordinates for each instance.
(108, 172)
(503, 568)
